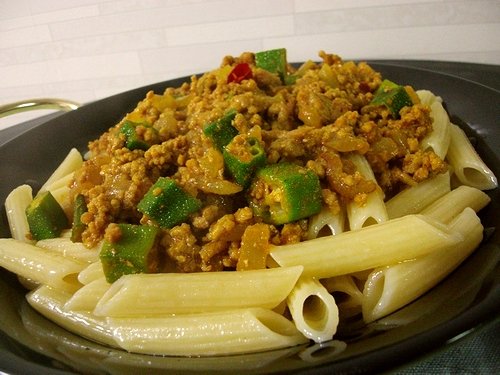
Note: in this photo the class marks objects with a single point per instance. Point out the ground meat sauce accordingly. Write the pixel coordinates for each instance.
(312, 122)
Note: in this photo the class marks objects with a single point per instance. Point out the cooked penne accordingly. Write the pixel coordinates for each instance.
(377, 245)
(157, 294)
(225, 332)
(415, 198)
(90, 273)
(391, 287)
(313, 310)
(15, 206)
(350, 303)
(372, 211)
(70, 249)
(71, 162)
(87, 297)
(326, 219)
(427, 97)
(453, 203)
(439, 139)
(467, 164)
(50, 303)
(40, 265)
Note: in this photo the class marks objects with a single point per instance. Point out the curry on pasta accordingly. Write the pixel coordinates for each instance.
(333, 193)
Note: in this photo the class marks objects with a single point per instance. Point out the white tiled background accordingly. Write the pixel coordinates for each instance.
(88, 49)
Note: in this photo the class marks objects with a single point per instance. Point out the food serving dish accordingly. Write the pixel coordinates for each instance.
(469, 297)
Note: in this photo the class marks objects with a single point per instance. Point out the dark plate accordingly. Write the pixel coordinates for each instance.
(467, 299)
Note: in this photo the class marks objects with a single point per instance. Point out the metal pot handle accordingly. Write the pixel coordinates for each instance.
(39, 103)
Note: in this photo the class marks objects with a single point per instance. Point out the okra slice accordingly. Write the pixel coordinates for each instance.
(168, 204)
(242, 157)
(77, 228)
(285, 192)
(273, 61)
(46, 218)
(393, 96)
(221, 132)
(138, 136)
(128, 249)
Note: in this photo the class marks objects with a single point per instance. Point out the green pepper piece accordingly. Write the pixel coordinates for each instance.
(273, 61)
(133, 251)
(242, 157)
(133, 140)
(80, 207)
(285, 192)
(393, 96)
(167, 204)
(46, 218)
(221, 132)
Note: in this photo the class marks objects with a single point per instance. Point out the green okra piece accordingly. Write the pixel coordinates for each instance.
(77, 228)
(273, 61)
(393, 96)
(285, 192)
(168, 204)
(46, 218)
(221, 132)
(242, 157)
(132, 251)
(133, 140)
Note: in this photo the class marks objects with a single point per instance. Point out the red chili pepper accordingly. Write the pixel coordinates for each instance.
(239, 73)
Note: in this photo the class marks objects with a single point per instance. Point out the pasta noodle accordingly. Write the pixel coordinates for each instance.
(467, 164)
(87, 297)
(368, 247)
(391, 287)
(352, 297)
(90, 273)
(372, 211)
(313, 310)
(415, 198)
(72, 162)
(156, 294)
(70, 249)
(39, 265)
(230, 332)
(15, 205)
(439, 139)
(326, 219)
(450, 205)
(50, 303)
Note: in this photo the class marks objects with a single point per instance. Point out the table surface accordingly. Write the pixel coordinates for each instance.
(476, 352)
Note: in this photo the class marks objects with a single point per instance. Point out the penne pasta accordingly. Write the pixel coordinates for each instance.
(87, 297)
(467, 165)
(326, 219)
(158, 294)
(392, 287)
(90, 273)
(372, 211)
(50, 303)
(313, 310)
(352, 298)
(15, 206)
(439, 139)
(40, 265)
(225, 332)
(70, 249)
(415, 198)
(370, 247)
(453, 203)
(427, 97)
(71, 162)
